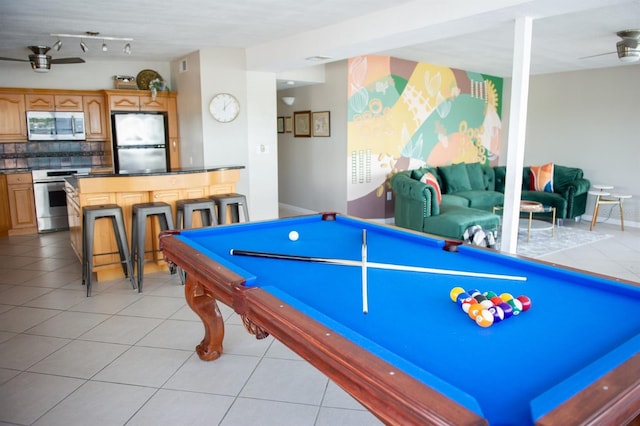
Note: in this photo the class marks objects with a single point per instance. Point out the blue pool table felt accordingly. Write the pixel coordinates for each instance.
(579, 326)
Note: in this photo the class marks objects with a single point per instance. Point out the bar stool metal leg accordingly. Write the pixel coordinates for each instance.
(140, 213)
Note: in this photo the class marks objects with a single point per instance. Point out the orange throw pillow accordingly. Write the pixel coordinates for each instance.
(430, 179)
(541, 178)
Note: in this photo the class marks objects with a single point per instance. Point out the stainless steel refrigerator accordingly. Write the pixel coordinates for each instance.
(140, 142)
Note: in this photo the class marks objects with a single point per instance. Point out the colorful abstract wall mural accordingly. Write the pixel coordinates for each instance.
(403, 115)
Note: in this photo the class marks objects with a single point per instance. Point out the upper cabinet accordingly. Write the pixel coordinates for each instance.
(96, 118)
(13, 122)
(53, 102)
(137, 100)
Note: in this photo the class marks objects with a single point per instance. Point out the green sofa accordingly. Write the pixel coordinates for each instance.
(469, 193)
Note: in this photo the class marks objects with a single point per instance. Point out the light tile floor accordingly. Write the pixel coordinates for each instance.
(123, 358)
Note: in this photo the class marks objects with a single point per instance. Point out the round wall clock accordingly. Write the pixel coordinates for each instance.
(224, 107)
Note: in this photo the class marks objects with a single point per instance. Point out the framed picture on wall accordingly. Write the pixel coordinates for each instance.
(288, 124)
(321, 123)
(302, 124)
(280, 124)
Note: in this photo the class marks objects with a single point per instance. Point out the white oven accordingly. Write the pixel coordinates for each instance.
(50, 197)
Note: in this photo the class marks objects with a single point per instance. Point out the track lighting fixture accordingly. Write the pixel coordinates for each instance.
(92, 35)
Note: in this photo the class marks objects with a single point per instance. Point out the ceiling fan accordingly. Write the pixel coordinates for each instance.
(628, 49)
(41, 62)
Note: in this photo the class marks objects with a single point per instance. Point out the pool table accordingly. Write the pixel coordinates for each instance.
(415, 357)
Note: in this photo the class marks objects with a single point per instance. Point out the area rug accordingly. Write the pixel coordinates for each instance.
(542, 243)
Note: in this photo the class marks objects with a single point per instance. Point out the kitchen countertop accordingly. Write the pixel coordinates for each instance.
(73, 180)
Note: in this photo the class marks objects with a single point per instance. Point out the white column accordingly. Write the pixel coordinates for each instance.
(517, 132)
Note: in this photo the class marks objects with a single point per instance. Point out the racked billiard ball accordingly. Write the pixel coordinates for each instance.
(526, 302)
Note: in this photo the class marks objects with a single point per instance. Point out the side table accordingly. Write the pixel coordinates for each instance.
(603, 197)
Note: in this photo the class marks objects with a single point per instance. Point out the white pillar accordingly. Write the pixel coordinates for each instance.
(517, 132)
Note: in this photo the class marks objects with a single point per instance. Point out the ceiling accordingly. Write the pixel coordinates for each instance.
(279, 35)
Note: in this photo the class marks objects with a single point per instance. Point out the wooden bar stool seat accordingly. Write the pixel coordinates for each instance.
(90, 214)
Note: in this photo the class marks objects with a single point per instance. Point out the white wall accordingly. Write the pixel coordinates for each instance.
(189, 109)
(92, 75)
(590, 119)
(587, 119)
(312, 170)
(235, 143)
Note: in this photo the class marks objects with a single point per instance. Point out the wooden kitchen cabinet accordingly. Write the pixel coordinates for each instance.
(96, 119)
(137, 102)
(53, 102)
(5, 214)
(74, 217)
(13, 122)
(174, 135)
(22, 207)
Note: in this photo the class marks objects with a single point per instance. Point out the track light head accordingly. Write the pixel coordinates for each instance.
(83, 46)
(57, 45)
(104, 47)
(127, 49)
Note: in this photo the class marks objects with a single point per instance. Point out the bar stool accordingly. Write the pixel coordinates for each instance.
(140, 213)
(90, 214)
(186, 208)
(234, 201)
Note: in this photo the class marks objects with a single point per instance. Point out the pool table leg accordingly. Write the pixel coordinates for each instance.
(202, 302)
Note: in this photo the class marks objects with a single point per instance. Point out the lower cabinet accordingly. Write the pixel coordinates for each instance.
(22, 207)
(74, 216)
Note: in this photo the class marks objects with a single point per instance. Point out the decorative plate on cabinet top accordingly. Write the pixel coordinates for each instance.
(145, 77)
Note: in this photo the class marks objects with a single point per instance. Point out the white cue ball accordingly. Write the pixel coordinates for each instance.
(293, 236)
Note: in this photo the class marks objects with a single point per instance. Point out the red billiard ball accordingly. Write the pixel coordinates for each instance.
(496, 300)
(526, 302)
(466, 303)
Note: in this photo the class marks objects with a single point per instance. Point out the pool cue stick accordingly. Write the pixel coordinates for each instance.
(391, 266)
(365, 300)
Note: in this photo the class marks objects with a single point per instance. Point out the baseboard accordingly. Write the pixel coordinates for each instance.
(611, 221)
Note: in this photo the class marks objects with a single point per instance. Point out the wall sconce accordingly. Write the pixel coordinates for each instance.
(288, 100)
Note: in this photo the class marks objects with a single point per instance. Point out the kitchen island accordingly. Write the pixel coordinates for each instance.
(129, 189)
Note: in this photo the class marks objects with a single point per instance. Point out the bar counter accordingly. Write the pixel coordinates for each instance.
(128, 189)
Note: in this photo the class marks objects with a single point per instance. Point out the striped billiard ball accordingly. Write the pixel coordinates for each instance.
(484, 318)
(497, 312)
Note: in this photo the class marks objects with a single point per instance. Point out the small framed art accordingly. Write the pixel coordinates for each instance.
(280, 124)
(321, 123)
(288, 124)
(302, 124)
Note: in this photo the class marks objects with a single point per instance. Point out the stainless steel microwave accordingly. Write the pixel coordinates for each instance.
(55, 126)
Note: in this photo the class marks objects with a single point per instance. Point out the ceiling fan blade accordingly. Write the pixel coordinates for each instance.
(13, 59)
(599, 54)
(67, 61)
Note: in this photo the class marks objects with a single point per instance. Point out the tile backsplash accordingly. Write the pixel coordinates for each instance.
(51, 154)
